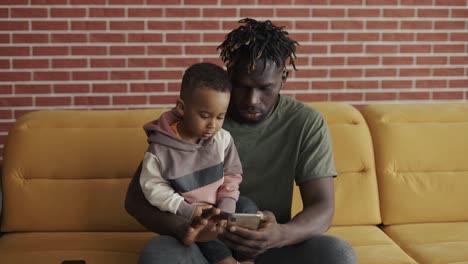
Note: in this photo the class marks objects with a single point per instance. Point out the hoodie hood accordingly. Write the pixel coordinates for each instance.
(160, 132)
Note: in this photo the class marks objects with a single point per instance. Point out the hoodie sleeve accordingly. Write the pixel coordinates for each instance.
(159, 192)
(228, 193)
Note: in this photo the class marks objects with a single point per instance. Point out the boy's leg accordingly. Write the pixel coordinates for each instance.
(214, 250)
(167, 249)
(246, 206)
(319, 249)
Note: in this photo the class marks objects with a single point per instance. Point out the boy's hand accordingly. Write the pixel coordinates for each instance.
(201, 228)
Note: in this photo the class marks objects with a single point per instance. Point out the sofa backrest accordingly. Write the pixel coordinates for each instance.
(55, 177)
(356, 194)
(422, 161)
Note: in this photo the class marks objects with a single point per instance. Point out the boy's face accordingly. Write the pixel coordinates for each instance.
(203, 114)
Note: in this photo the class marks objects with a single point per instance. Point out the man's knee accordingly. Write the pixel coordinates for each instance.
(334, 250)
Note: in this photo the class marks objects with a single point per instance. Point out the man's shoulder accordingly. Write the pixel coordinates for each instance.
(291, 107)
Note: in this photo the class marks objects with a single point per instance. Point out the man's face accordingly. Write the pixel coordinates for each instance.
(255, 94)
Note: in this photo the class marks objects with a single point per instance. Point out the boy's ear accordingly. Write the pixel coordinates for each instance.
(180, 107)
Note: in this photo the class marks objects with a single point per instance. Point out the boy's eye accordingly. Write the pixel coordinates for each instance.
(220, 117)
(205, 116)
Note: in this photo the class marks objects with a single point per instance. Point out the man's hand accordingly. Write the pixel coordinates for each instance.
(201, 228)
(254, 242)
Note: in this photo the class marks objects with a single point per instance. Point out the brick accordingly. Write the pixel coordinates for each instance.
(289, 12)
(385, 96)
(89, 50)
(274, 2)
(398, 36)
(363, 36)
(462, 13)
(311, 97)
(374, 24)
(71, 88)
(173, 86)
(6, 89)
(347, 24)
(433, 12)
(129, 100)
(92, 100)
(346, 96)
(126, 2)
(128, 75)
(30, 63)
(106, 38)
(449, 72)
(397, 60)
(201, 50)
(28, 12)
(15, 101)
(17, 113)
(6, 114)
(345, 2)
(311, 73)
(347, 48)
(53, 101)
(328, 61)
(88, 25)
(219, 12)
(414, 96)
(328, 12)
(163, 2)
(87, 2)
(431, 83)
(458, 83)
(169, 25)
(322, 25)
(127, 25)
(430, 60)
(459, 60)
(381, 49)
(14, 25)
(297, 36)
(109, 88)
(127, 50)
(50, 51)
(51, 76)
(340, 73)
(449, 25)
(416, 2)
(187, 37)
(33, 89)
(15, 76)
(321, 85)
(410, 48)
(4, 64)
(459, 36)
(69, 63)
(431, 36)
(68, 12)
(14, 51)
(390, 12)
(146, 87)
(180, 62)
(312, 49)
(407, 72)
(165, 74)
(110, 12)
(328, 37)
(30, 38)
(450, 2)
(364, 12)
(449, 48)
(69, 38)
(5, 127)
(202, 25)
(143, 12)
(4, 38)
(90, 75)
(145, 37)
(416, 24)
(145, 62)
(48, 2)
(381, 72)
(399, 84)
(381, 2)
(165, 50)
(255, 12)
(15, 2)
(107, 63)
(200, 2)
(183, 12)
(163, 99)
(49, 25)
(295, 85)
(362, 84)
(447, 95)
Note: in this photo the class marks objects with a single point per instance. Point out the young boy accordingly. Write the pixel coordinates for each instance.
(191, 161)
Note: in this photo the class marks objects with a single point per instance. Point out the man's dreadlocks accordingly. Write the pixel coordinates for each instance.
(256, 40)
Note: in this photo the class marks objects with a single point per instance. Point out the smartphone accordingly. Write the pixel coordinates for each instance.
(249, 221)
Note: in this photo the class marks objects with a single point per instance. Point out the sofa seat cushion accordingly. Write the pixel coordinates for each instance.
(432, 242)
(372, 245)
(55, 247)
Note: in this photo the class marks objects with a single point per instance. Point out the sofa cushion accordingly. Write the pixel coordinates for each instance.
(421, 157)
(69, 170)
(432, 242)
(372, 245)
(55, 247)
(356, 196)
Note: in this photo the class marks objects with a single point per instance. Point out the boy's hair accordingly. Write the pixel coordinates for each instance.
(257, 40)
(206, 75)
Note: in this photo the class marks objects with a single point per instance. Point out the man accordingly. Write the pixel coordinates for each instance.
(280, 141)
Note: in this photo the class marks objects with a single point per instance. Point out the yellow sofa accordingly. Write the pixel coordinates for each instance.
(400, 194)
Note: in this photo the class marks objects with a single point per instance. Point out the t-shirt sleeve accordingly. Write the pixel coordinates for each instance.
(315, 151)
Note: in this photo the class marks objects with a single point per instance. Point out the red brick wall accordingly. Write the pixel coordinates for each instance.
(105, 54)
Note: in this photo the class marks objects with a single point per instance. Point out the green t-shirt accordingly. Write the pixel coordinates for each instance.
(292, 144)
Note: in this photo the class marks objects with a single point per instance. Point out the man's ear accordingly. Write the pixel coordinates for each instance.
(180, 107)
(285, 75)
